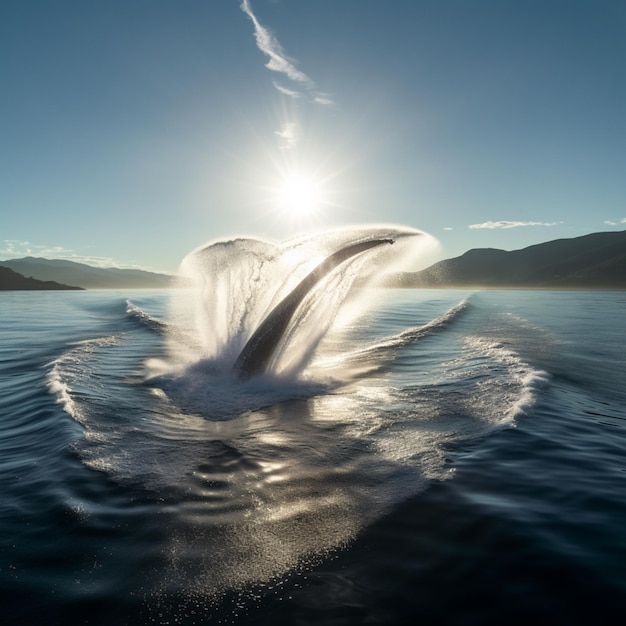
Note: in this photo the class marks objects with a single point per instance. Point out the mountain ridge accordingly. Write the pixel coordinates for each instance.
(86, 276)
(594, 261)
(13, 281)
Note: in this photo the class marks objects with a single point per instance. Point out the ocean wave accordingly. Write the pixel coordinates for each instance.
(438, 324)
(70, 371)
(501, 369)
(378, 354)
(146, 320)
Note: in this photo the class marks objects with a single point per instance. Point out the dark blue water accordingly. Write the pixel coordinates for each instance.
(450, 458)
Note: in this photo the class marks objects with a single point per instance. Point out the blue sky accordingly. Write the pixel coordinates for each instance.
(132, 131)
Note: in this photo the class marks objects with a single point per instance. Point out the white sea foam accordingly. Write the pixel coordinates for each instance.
(61, 390)
(68, 371)
(153, 323)
(505, 372)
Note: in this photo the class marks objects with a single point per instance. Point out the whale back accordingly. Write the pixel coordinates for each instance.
(258, 351)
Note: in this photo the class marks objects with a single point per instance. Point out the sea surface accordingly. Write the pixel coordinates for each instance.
(450, 457)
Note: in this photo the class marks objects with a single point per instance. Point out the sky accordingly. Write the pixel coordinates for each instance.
(133, 131)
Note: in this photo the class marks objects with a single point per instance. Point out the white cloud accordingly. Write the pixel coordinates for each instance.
(279, 61)
(323, 98)
(269, 45)
(509, 224)
(21, 248)
(612, 223)
(289, 134)
(448, 228)
(15, 246)
(292, 93)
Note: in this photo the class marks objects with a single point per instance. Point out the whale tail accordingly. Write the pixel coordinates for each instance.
(258, 351)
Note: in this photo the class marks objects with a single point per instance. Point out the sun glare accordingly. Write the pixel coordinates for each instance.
(299, 195)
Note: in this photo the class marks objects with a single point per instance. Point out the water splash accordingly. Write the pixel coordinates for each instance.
(228, 288)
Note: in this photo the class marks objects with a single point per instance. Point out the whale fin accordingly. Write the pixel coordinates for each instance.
(258, 351)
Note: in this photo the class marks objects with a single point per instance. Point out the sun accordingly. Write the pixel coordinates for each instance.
(299, 195)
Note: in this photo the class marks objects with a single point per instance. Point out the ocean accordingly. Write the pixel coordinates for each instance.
(449, 457)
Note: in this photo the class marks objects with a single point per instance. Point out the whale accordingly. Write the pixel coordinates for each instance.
(257, 353)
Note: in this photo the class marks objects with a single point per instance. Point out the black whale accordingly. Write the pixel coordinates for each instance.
(259, 349)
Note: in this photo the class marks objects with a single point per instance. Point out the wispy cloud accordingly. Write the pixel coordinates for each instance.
(510, 224)
(324, 98)
(289, 133)
(612, 223)
(280, 62)
(15, 246)
(292, 93)
(19, 247)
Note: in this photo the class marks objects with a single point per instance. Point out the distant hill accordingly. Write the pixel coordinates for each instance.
(596, 261)
(86, 276)
(10, 280)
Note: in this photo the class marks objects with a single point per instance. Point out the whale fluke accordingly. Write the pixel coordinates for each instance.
(259, 349)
